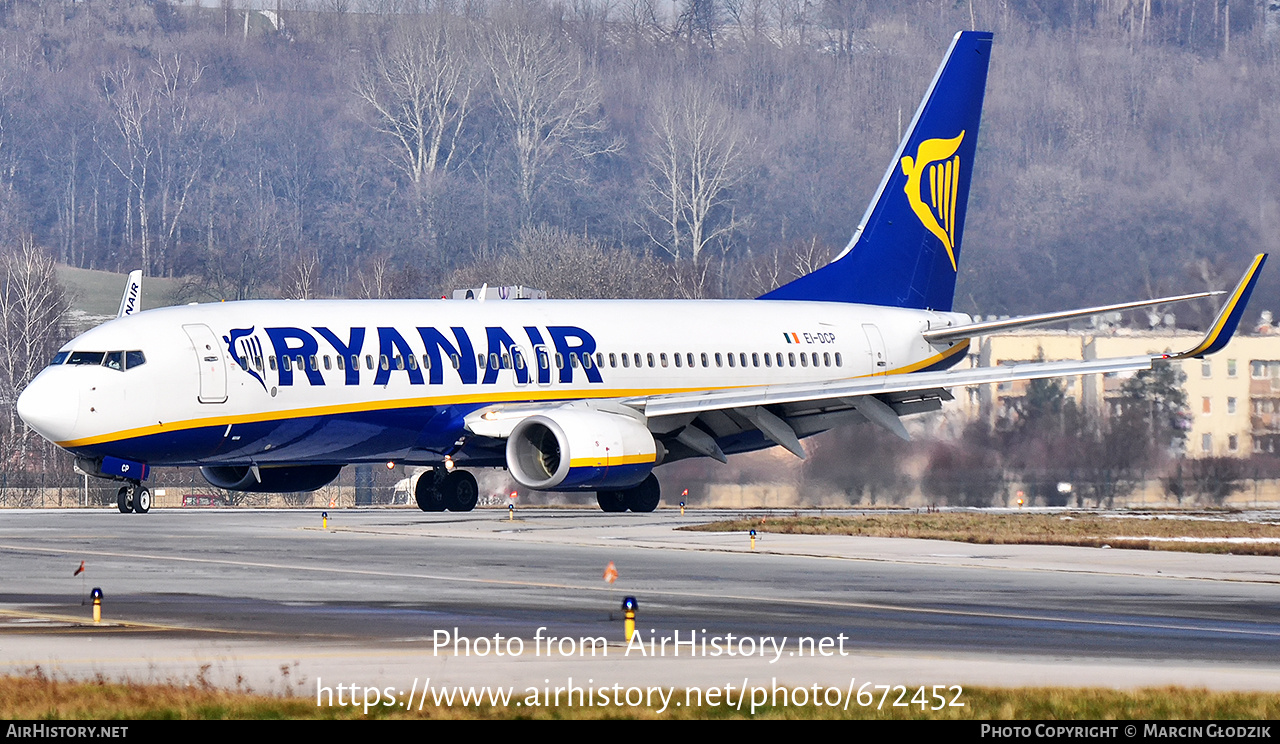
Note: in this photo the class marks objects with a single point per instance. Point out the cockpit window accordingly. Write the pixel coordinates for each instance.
(117, 360)
(86, 357)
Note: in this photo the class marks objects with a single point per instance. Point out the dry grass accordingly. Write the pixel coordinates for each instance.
(41, 698)
(1082, 529)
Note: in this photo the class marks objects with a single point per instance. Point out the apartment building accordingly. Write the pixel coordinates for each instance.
(1233, 396)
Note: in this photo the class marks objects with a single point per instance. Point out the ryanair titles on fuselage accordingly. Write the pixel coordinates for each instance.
(295, 351)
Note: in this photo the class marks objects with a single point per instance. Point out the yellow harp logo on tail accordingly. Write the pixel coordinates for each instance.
(937, 164)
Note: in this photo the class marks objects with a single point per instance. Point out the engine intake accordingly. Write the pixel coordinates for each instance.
(580, 451)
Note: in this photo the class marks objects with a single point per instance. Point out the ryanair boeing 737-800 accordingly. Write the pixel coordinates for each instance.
(278, 396)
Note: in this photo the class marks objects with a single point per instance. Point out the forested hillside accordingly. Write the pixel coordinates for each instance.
(333, 148)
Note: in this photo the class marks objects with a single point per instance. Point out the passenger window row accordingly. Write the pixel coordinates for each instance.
(730, 359)
(515, 360)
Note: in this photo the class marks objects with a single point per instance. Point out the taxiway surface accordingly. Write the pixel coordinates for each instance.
(270, 600)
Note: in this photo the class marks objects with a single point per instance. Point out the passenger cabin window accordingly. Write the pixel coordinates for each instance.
(626, 360)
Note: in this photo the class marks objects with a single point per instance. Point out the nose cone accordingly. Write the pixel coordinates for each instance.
(50, 408)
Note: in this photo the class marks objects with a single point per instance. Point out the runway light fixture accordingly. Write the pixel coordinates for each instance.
(629, 607)
(97, 605)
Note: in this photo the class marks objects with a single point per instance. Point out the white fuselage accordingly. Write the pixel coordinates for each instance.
(392, 379)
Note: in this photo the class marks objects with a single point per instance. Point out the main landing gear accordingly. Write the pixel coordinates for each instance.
(454, 490)
(133, 498)
(641, 498)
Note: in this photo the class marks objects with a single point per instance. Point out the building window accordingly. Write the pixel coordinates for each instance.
(1231, 368)
(1231, 405)
(1206, 443)
(1206, 368)
(1207, 405)
(1233, 443)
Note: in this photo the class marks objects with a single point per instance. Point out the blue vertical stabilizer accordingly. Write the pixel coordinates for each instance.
(906, 251)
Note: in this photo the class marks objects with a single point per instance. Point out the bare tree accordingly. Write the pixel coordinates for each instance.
(698, 156)
(568, 266)
(160, 149)
(33, 309)
(420, 91)
(549, 104)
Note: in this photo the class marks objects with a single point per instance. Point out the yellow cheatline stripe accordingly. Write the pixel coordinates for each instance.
(513, 396)
(958, 348)
(1212, 337)
(609, 462)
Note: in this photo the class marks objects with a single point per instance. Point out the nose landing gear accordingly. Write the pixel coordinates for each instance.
(133, 498)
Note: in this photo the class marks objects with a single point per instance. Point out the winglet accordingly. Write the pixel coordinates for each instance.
(1224, 326)
(131, 301)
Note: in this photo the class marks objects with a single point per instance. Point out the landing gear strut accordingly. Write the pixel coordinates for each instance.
(439, 489)
(641, 498)
(133, 498)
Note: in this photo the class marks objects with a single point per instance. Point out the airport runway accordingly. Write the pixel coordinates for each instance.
(270, 600)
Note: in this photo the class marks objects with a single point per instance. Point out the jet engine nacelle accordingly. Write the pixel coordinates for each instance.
(275, 479)
(580, 450)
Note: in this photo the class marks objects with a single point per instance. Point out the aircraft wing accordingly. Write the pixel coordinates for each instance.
(766, 395)
(701, 421)
(1220, 332)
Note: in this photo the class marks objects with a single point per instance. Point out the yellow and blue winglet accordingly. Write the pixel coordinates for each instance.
(1224, 326)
